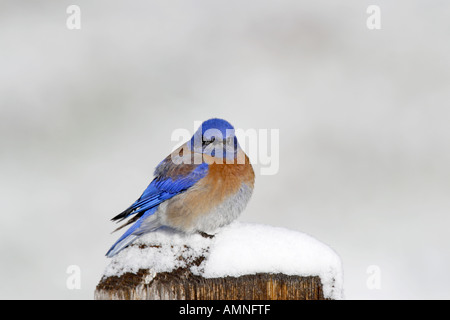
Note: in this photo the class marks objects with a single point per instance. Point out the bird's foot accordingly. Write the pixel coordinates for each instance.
(205, 235)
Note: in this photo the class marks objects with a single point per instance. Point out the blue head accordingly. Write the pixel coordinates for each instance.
(215, 137)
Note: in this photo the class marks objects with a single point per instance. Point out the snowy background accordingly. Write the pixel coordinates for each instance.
(363, 116)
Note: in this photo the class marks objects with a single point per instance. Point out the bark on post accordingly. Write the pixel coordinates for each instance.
(181, 284)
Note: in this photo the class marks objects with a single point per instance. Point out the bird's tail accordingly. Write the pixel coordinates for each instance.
(147, 223)
(121, 244)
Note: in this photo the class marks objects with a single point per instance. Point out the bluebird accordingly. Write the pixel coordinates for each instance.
(201, 186)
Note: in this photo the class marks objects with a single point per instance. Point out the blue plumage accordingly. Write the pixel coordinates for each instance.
(130, 235)
(169, 181)
(173, 179)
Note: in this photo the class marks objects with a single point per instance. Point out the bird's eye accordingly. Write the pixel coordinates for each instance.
(207, 142)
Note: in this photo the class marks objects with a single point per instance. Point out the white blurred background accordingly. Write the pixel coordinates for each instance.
(363, 116)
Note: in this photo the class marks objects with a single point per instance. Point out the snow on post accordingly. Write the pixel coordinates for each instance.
(241, 261)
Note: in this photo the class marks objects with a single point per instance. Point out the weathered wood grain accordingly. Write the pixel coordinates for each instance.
(181, 284)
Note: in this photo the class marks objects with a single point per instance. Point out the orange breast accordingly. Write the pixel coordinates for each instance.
(221, 182)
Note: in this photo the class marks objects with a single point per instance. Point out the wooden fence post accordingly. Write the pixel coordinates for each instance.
(181, 284)
(265, 248)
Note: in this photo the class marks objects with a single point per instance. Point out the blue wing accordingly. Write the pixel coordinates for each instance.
(170, 180)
